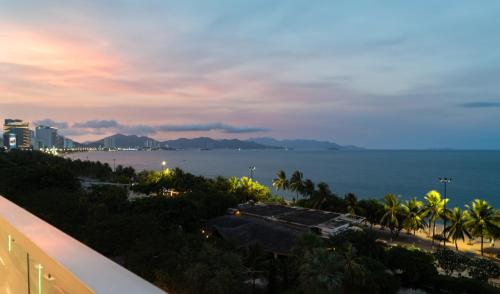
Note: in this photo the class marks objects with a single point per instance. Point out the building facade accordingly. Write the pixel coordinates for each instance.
(16, 134)
(45, 137)
(68, 143)
(110, 143)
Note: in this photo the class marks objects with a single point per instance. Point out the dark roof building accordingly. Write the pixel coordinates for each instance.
(247, 231)
(277, 227)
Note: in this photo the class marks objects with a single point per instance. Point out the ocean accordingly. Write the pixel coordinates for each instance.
(368, 174)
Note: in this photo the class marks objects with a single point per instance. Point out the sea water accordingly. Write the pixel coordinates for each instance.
(475, 174)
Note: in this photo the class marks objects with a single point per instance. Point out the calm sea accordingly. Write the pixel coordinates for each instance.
(365, 173)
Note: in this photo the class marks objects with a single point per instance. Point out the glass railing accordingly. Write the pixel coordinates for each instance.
(36, 258)
(21, 272)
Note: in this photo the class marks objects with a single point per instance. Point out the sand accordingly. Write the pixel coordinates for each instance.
(424, 241)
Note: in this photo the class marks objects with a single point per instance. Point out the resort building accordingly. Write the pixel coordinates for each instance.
(36, 258)
(276, 228)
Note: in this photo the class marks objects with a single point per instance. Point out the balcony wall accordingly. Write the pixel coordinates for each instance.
(37, 258)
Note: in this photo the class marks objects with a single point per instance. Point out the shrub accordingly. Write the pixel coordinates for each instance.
(416, 266)
(447, 284)
(483, 269)
(451, 261)
(478, 268)
(378, 280)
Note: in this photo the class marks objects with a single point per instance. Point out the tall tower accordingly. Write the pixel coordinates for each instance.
(45, 137)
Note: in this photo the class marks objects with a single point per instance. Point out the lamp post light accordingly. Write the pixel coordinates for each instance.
(163, 165)
(252, 170)
(445, 182)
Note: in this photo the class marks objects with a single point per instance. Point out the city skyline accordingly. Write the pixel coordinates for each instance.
(404, 75)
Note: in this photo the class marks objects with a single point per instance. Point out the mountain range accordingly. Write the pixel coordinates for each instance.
(303, 144)
(133, 141)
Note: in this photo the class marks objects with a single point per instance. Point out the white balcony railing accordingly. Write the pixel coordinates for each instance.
(37, 258)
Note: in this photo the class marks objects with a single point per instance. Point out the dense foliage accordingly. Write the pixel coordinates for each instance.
(160, 238)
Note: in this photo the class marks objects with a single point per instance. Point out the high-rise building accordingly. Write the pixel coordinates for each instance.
(68, 143)
(149, 143)
(59, 142)
(110, 142)
(45, 137)
(33, 139)
(16, 134)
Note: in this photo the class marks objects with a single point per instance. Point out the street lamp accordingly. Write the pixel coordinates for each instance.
(445, 182)
(163, 165)
(252, 170)
(114, 164)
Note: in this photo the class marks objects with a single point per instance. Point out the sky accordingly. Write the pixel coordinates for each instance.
(391, 74)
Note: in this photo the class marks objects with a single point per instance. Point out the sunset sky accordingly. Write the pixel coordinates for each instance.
(406, 74)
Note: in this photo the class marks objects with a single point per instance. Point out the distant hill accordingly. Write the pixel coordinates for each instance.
(126, 141)
(209, 143)
(303, 144)
(133, 141)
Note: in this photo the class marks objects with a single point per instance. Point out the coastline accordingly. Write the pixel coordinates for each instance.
(424, 241)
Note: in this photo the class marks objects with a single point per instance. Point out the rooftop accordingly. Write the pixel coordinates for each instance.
(277, 227)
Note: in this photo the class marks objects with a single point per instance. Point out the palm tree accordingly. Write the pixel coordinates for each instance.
(457, 229)
(320, 195)
(483, 218)
(308, 188)
(234, 184)
(354, 273)
(256, 262)
(372, 209)
(296, 183)
(434, 209)
(352, 203)
(281, 182)
(445, 214)
(414, 215)
(392, 209)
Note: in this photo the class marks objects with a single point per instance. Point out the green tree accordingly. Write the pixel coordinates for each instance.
(281, 181)
(457, 228)
(321, 272)
(234, 184)
(308, 188)
(352, 203)
(415, 266)
(372, 210)
(215, 271)
(414, 215)
(320, 196)
(483, 218)
(392, 211)
(354, 273)
(256, 261)
(296, 182)
(434, 209)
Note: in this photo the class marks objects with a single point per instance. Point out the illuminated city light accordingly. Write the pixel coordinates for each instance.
(39, 267)
(10, 243)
